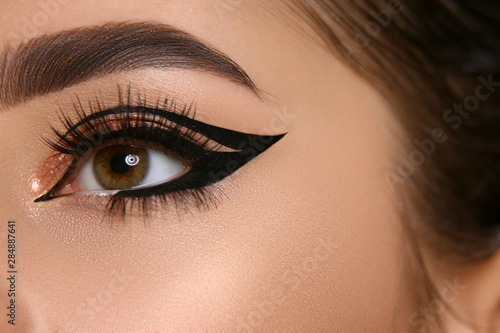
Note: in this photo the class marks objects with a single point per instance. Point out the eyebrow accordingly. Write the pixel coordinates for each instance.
(50, 63)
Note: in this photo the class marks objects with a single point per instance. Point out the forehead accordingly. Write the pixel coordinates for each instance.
(27, 18)
(213, 20)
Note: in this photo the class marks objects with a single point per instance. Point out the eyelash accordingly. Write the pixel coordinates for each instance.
(175, 131)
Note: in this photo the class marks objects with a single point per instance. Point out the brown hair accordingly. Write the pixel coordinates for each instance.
(437, 62)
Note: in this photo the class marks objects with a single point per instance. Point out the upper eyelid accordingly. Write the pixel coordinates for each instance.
(180, 114)
(50, 63)
(169, 115)
(178, 119)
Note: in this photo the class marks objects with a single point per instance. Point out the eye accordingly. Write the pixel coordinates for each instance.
(137, 156)
(122, 167)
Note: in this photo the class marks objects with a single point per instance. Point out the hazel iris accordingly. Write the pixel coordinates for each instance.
(121, 166)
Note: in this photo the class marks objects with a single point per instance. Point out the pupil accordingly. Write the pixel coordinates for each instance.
(119, 163)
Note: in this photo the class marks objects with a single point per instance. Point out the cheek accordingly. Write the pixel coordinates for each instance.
(323, 225)
(326, 235)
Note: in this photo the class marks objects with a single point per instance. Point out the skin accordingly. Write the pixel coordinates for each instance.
(307, 239)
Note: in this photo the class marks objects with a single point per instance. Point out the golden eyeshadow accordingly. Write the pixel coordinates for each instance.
(49, 172)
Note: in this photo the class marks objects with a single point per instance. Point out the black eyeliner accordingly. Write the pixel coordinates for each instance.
(177, 132)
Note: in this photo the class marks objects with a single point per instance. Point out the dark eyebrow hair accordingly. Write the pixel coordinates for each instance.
(50, 63)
